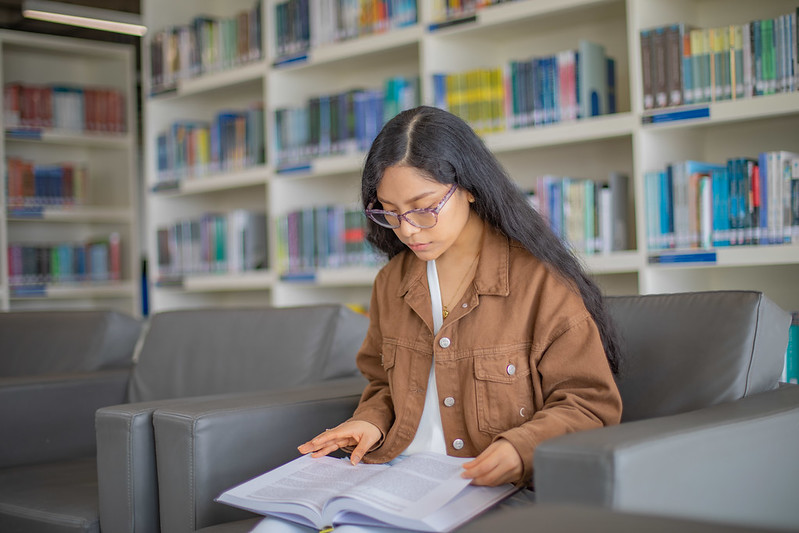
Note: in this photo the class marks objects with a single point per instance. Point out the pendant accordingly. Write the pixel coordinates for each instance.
(445, 312)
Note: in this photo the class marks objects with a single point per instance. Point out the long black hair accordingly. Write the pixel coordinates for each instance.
(444, 147)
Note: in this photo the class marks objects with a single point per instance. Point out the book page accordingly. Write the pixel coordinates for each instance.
(413, 487)
(304, 481)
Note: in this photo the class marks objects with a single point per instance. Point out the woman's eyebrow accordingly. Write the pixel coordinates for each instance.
(411, 200)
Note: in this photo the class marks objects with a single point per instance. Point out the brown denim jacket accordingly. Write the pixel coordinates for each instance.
(518, 357)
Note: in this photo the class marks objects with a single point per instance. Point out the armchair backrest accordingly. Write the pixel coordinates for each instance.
(211, 351)
(691, 350)
(57, 342)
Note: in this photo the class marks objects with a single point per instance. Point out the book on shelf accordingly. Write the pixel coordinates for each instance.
(213, 243)
(592, 215)
(567, 85)
(302, 25)
(791, 370)
(423, 492)
(448, 12)
(233, 140)
(34, 185)
(328, 236)
(94, 260)
(64, 107)
(745, 200)
(204, 45)
(340, 123)
(684, 64)
(333, 21)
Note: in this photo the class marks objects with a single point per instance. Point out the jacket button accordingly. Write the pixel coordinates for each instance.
(511, 370)
(444, 342)
(449, 401)
(457, 444)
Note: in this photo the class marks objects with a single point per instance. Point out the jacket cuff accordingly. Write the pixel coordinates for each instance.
(520, 440)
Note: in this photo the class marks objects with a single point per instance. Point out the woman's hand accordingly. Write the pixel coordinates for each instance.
(362, 435)
(498, 464)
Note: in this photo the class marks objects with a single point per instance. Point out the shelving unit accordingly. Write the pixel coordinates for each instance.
(587, 148)
(107, 152)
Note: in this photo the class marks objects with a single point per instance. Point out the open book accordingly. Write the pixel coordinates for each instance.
(424, 492)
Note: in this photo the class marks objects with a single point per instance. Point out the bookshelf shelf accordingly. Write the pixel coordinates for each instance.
(629, 261)
(517, 15)
(76, 291)
(734, 111)
(73, 214)
(630, 141)
(241, 281)
(223, 79)
(69, 138)
(251, 177)
(69, 144)
(596, 128)
(354, 49)
(514, 11)
(347, 276)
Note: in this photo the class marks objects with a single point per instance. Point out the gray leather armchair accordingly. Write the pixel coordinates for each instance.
(56, 369)
(702, 411)
(705, 428)
(195, 353)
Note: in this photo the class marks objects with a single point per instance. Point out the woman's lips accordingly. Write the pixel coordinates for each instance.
(418, 247)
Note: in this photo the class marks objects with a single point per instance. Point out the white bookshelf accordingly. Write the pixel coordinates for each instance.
(109, 157)
(591, 148)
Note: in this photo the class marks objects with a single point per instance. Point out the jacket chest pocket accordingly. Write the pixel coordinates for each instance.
(504, 392)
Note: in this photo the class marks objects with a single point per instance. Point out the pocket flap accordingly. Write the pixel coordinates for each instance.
(500, 370)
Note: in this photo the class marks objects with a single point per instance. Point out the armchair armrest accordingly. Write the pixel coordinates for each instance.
(206, 447)
(126, 472)
(712, 464)
(51, 417)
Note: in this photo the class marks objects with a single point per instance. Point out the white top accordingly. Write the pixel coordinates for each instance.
(430, 434)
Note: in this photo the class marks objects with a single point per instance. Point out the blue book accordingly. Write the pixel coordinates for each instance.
(721, 207)
(667, 208)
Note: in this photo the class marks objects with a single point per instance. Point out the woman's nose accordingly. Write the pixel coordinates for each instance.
(407, 229)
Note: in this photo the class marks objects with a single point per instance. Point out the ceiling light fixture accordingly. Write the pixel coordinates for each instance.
(83, 16)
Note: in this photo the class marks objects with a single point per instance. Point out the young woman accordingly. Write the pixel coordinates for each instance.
(486, 337)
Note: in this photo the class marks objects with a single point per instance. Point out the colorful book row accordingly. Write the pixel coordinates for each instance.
(64, 107)
(331, 236)
(694, 204)
(682, 64)
(234, 140)
(221, 243)
(340, 123)
(444, 11)
(569, 85)
(67, 262)
(31, 185)
(301, 24)
(338, 20)
(591, 215)
(207, 44)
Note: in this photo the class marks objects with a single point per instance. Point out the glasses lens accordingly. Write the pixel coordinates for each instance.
(387, 221)
(421, 218)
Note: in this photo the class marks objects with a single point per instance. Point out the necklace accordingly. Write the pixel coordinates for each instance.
(445, 311)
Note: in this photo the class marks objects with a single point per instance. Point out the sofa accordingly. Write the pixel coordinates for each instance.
(56, 369)
(185, 354)
(700, 388)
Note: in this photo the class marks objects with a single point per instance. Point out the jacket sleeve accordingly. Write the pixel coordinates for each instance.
(578, 390)
(376, 405)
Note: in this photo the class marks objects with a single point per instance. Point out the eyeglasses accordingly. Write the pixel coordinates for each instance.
(421, 218)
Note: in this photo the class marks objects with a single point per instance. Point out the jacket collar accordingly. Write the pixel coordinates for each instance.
(491, 276)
